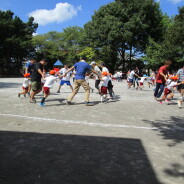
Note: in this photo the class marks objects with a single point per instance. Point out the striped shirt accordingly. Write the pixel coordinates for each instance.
(180, 74)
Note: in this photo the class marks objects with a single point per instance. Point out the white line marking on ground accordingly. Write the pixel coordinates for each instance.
(89, 123)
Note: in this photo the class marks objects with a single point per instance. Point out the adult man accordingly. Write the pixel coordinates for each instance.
(65, 80)
(161, 79)
(180, 75)
(29, 69)
(38, 73)
(81, 68)
(97, 77)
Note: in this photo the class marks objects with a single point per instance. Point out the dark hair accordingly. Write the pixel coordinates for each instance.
(44, 59)
(83, 58)
(31, 59)
(168, 62)
(103, 64)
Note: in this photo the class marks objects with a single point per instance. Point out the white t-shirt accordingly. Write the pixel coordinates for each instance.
(49, 81)
(63, 71)
(131, 76)
(105, 81)
(171, 85)
(97, 69)
(142, 79)
(26, 83)
(104, 69)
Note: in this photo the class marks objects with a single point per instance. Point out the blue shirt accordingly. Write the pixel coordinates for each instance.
(81, 68)
(30, 67)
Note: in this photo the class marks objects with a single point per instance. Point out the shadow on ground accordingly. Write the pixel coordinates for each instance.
(35, 158)
(171, 129)
(10, 85)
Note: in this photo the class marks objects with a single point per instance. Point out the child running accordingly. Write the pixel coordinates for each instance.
(141, 82)
(168, 89)
(49, 81)
(104, 86)
(25, 85)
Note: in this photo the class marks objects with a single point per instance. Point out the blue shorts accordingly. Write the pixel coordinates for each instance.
(65, 82)
(131, 81)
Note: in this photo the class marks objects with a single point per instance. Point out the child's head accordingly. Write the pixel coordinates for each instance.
(104, 73)
(26, 75)
(174, 78)
(52, 72)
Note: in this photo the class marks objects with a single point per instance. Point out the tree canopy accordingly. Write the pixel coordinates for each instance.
(15, 39)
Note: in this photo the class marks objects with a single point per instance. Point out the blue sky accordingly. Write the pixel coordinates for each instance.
(55, 15)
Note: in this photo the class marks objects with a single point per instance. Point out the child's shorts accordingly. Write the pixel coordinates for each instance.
(131, 81)
(25, 88)
(104, 90)
(65, 82)
(141, 83)
(167, 91)
(46, 90)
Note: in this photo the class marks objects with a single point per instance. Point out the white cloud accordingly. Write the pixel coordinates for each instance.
(61, 13)
(176, 1)
(35, 34)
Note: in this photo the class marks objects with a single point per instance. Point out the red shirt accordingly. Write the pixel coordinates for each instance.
(160, 78)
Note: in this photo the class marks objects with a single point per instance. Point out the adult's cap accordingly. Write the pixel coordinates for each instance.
(93, 63)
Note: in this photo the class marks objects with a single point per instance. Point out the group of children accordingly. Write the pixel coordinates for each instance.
(170, 86)
(106, 85)
(49, 80)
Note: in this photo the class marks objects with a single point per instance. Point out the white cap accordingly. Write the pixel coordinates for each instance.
(93, 63)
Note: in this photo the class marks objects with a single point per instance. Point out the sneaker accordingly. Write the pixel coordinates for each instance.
(160, 101)
(58, 91)
(92, 90)
(179, 104)
(167, 100)
(68, 103)
(33, 101)
(19, 95)
(24, 95)
(42, 104)
(89, 103)
(28, 94)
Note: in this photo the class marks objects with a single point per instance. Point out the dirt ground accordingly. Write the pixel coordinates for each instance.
(131, 139)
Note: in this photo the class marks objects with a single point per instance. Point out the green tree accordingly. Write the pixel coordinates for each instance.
(124, 26)
(15, 40)
(171, 47)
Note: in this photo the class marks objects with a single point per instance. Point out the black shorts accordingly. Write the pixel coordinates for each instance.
(181, 86)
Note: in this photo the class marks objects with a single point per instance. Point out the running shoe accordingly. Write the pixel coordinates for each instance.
(19, 95)
(89, 103)
(179, 104)
(167, 100)
(58, 91)
(24, 95)
(160, 101)
(33, 100)
(68, 103)
(42, 104)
